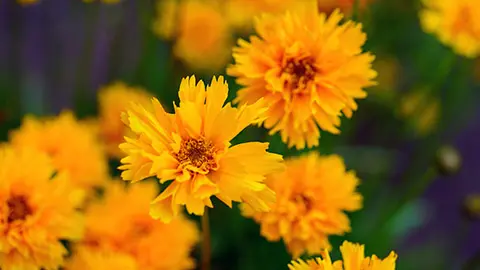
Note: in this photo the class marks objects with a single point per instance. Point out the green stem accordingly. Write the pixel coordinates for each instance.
(206, 249)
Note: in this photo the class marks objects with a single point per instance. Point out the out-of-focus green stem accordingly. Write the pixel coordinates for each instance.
(414, 191)
(206, 251)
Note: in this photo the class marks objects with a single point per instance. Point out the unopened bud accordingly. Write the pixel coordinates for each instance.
(448, 160)
(471, 206)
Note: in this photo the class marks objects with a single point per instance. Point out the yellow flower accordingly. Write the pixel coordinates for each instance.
(133, 232)
(455, 22)
(422, 110)
(192, 148)
(346, 6)
(312, 195)
(92, 258)
(353, 259)
(241, 13)
(27, 2)
(73, 147)
(309, 70)
(37, 210)
(165, 23)
(113, 100)
(103, 1)
(203, 40)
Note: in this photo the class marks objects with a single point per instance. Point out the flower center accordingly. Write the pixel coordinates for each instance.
(304, 202)
(298, 73)
(198, 153)
(18, 209)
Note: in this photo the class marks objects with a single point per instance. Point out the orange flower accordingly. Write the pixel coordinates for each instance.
(455, 22)
(72, 145)
(94, 258)
(309, 69)
(113, 100)
(36, 211)
(201, 36)
(312, 195)
(353, 259)
(192, 148)
(132, 233)
(345, 6)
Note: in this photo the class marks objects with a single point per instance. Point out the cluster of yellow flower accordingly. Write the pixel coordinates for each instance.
(49, 172)
(300, 72)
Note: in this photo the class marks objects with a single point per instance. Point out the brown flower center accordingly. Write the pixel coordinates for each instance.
(197, 152)
(298, 73)
(18, 208)
(304, 202)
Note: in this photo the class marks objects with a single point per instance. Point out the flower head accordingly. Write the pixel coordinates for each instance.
(312, 195)
(353, 259)
(308, 68)
(346, 6)
(133, 232)
(37, 210)
(113, 100)
(201, 37)
(72, 146)
(95, 258)
(241, 13)
(455, 22)
(192, 148)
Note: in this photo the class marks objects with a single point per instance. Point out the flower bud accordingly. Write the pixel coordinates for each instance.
(448, 160)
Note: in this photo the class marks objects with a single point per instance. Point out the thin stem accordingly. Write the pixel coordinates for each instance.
(206, 254)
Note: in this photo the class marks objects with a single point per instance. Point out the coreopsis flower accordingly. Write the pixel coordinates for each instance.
(456, 23)
(38, 209)
(103, 1)
(308, 68)
(113, 100)
(353, 256)
(133, 233)
(95, 258)
(202, 39)
(241, 13)
(313, 194)
(192, 148)
(72, 145)
(346, 6)
(27, 2)
(421, 110)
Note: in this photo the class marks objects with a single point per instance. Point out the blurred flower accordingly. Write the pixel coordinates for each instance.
(113, 100)
(131, 231)
(353, 259)
(388, 76)
(164, 24)
(471, 206)
(202, 38)
(73, 147)
(103, 1)
(192, 148)
(312, 195)
(37, 211)
(422, 110)
(27, 2)
(241, 13)
(455, 22)
(448, 160)
(346, 6)
(93, 258)
(308, 68)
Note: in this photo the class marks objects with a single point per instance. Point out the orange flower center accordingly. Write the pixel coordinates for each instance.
(18, 209)
(298, 73)
(197, 152)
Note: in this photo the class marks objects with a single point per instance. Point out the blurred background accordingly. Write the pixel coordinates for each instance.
(414, 142)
